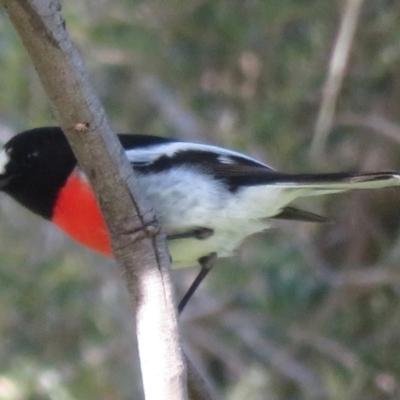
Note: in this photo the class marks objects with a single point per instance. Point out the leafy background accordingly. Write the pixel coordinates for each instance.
(303, 312)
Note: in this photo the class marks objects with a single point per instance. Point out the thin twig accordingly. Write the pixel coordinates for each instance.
(375, 123)
(278, 357)
(336, 73)
(184, 122)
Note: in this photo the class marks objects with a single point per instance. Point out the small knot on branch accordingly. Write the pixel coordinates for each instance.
(82, 127)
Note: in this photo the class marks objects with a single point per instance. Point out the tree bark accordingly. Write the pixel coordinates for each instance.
(137, 244)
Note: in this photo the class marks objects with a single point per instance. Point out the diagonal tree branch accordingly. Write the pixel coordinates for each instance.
(137, 245)
(336, 74)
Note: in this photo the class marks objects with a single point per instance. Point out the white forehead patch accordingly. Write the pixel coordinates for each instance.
(4, 159)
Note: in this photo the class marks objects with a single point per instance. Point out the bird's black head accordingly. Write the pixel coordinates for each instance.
(34, 166)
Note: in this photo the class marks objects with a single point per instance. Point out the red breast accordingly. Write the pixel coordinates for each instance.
(77, 213)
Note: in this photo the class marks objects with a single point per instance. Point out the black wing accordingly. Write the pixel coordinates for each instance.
(151, 154)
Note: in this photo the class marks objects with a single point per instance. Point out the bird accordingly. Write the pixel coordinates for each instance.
(207, 199)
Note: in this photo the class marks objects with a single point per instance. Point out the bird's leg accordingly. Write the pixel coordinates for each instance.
(206, 264)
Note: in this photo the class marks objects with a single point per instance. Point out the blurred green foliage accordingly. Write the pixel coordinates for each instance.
(303, 312)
